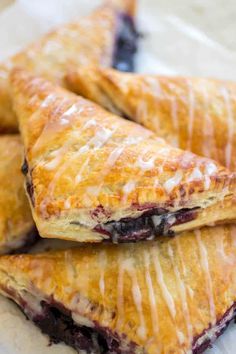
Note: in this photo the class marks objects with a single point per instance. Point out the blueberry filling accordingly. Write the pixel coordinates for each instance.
(25, 167)
(29, 185)
(30, 239)
(157, 222)
(125, 45)
(57, 322)
(209, 335)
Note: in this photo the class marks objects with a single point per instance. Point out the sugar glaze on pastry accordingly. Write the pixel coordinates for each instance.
(170, 296)
(89, 170)
(196, 114)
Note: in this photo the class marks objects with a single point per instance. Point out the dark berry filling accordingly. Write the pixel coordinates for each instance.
(25, 167)
(205, 341)
(57, 322)
(30, 239)
(125, 45)
(157, 222)
(30, 190)
(29, 184)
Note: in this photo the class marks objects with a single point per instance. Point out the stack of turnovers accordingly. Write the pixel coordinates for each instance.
(16, 223)
(193, 114)
(107, 37)
(93, 176)
(170, 296)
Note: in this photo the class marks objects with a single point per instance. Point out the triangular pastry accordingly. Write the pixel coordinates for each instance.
(89, 170)
(107, 37)
(193, 114)
(174, 296)
(17, 228)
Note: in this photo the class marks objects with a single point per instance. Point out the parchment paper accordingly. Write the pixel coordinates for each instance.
(188, 37)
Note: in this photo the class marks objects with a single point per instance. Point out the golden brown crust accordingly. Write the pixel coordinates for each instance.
(191, 113)
(159, 295)
(15, 215)
(87, 41)
(82, 160)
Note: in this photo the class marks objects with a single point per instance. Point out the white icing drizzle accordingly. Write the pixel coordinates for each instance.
(180, 252)
(151, 294)
(195, 175)
(137, 295)
(129, 187)
(161, 282)
(59, 154)
(71, 273)
(114, 155)
(67, 204)
(64, 118)
(128, 266)
(205, 268)
(103, 263)
(154, 85)
(50, 125)
(120, 294)
(191, 105)
(48, 100)
(95, 143)
(183, 295)
(146, 165)
(173, 182)
(230, 123)
(208, 129)
(210, 169)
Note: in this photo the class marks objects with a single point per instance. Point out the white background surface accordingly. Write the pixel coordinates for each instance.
(188, 37)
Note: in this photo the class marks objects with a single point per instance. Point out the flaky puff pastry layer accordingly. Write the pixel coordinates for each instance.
(90, 40)
(87, 167)
(16, 222)
(170, 296)
(193, 114)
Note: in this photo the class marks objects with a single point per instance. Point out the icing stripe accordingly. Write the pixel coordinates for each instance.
(151, 294)
(161, 282)
(206, 271)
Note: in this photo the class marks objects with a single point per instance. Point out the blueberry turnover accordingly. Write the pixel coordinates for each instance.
(93, 176)
(106, 38)
(193, 114)
(17, 229)
(172, 296)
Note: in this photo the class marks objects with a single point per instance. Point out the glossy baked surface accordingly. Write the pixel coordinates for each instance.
(16, 223)
(96, 39)
(195, 114)
(158, 297)
(87, 168)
